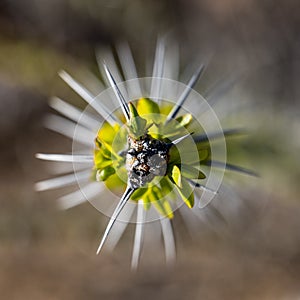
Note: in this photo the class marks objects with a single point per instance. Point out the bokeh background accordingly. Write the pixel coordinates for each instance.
(50, 254)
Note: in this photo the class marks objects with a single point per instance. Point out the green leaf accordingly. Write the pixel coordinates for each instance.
(166, 186)
(176, 127)
(137, 125)
(145, 106)
(100, 160)
(174, 156)
(103, 174)
(184, 120)
(147, 202)
(157, 200)
(186, 193)
(191, 172)
(107, 132)
(102, 148)
(133, 112)
(165, 108)
(168, 209)
(204, 154)
(120, 140)
(176, 175)
(115, 183)
(138, 194)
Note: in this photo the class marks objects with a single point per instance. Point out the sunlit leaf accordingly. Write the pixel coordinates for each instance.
(146, 106)
(176, 175)
(184, 120)
(107, 132)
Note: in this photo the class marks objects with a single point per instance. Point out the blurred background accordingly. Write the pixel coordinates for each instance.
(50, 254)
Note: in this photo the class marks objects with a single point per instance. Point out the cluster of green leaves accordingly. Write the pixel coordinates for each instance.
(148, 117)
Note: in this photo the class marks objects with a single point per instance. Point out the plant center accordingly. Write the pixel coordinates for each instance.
(146, 158)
